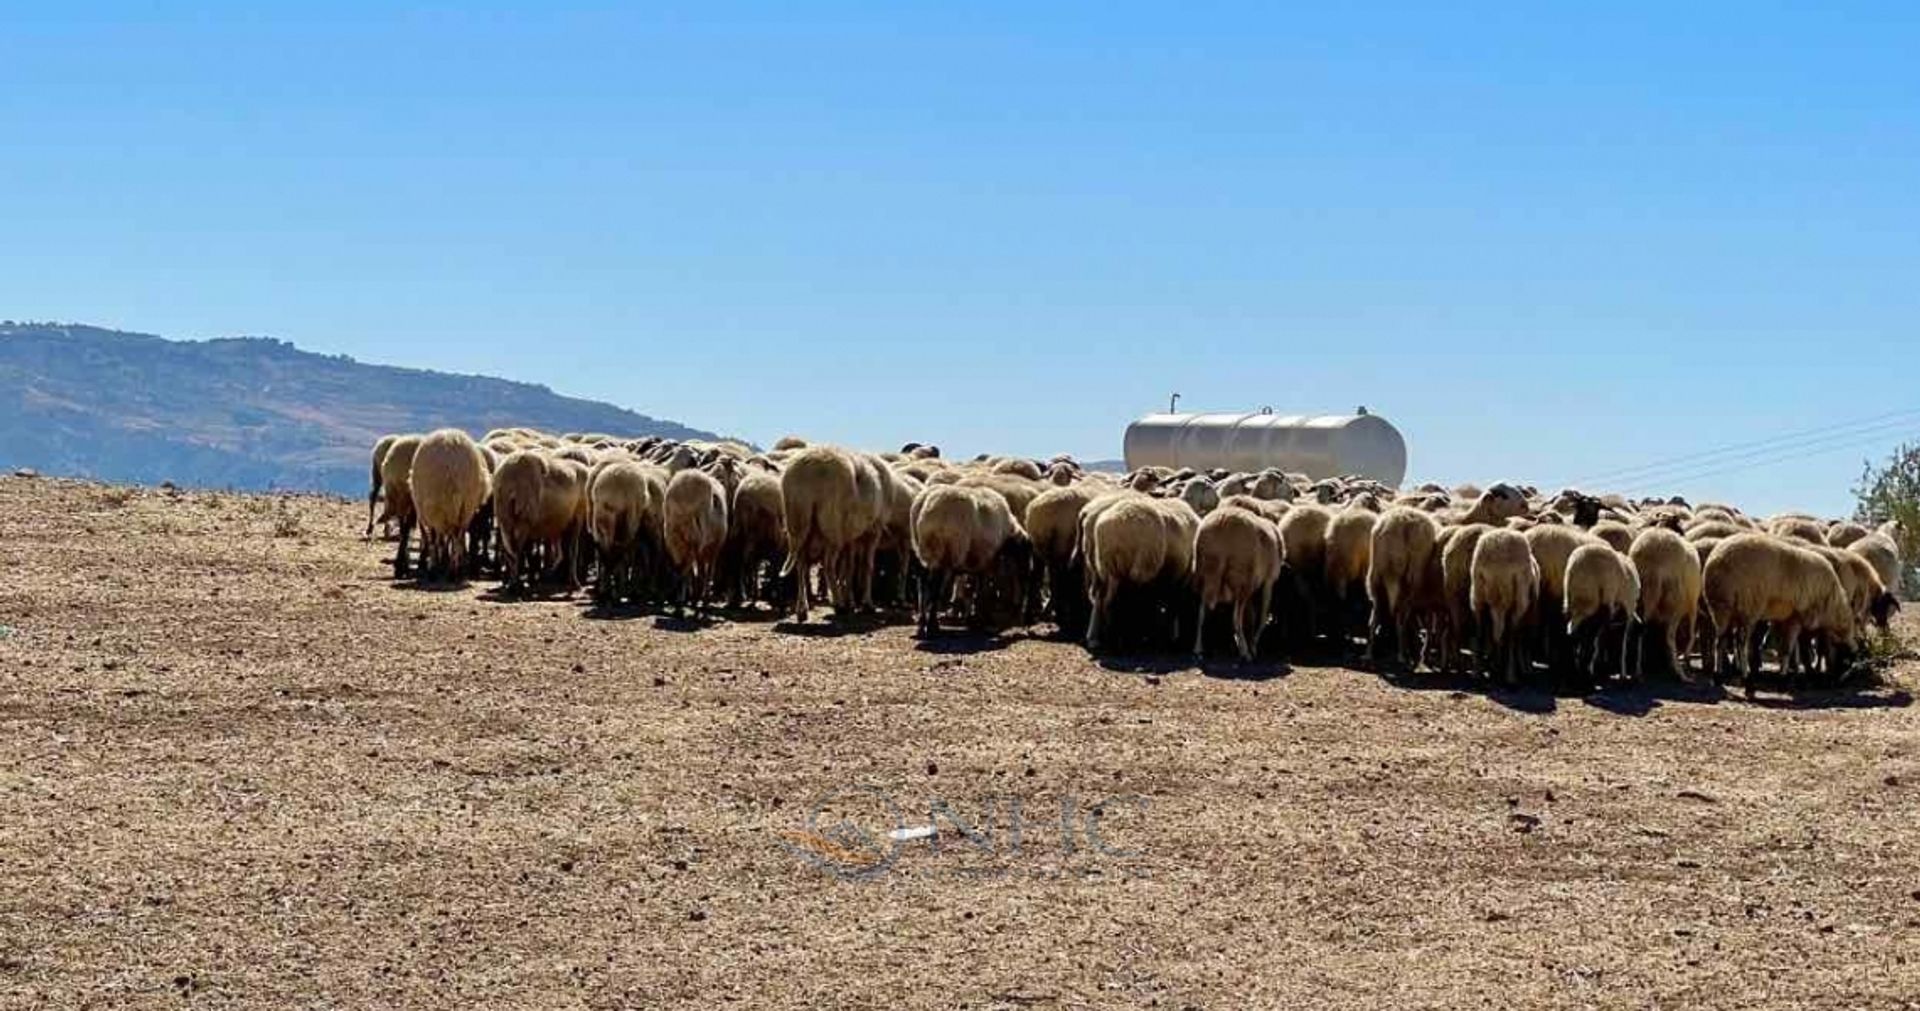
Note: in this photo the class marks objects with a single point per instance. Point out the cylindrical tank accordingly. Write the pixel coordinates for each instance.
(1327, 446)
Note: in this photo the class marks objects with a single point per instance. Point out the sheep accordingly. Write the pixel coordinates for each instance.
(693, 524)
(756, 533)
(1495, 505)
(1602, 591)
(1504, 585)
(1701, 529)
(1304, 533)
(1236, 556)
(1669, 572)
(449, 481)
(1398, 564)
(1349, 554)
(396, 469)
(1457, 627)
(1881, 551)
(1552, 547)
(625, 499)
(971, 533)
(817, 489)
(1618, 536)
(1841, 533)
(1799, 528)
(540, 503)
(1053, 524)
(1867, 594)
(380, 449)
(1017, 468)
(1134, 540)
(1756, 577)
(1201, 495)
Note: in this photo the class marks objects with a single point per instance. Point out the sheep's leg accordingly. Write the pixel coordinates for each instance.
(1260, 616)
(1099, 595)
(1240, 629)
(1625, 633)
(1200, 631)
(400, 555)
(1742, 659)
(372, 497)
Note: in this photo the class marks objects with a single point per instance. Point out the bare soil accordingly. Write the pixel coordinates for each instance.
(241, 768)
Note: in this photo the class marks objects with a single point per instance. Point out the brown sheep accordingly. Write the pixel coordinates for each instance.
(1841, 533)
(449, 481)
(1236, 558)
(1669, 571)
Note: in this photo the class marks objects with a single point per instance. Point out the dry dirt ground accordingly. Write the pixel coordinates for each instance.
(240, 768)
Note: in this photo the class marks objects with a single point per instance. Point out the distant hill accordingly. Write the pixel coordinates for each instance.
(246, 412)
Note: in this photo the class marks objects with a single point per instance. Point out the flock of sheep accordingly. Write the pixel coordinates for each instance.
(1503, 579)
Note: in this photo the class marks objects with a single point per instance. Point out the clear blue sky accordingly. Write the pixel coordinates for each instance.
(1547, 240)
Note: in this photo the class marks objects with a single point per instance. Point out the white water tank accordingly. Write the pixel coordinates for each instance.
(1326, 446)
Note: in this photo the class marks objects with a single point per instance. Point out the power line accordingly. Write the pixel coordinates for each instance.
(1771, 443)
(1764, 453)
(1854, 441)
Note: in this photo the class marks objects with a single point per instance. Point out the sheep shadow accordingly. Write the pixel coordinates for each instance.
(1532, 698)
(1841, 697)
(599, 610)
(1235, 669)
(834, 626)
(1642, 698)
(962, 642)
(421, 585)
(1145, 663)
(692, 621)
(527, 595)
